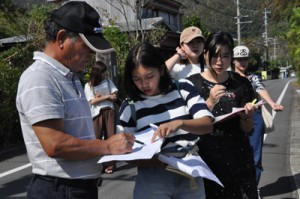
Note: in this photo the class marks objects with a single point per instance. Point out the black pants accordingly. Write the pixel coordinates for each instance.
(47, 187)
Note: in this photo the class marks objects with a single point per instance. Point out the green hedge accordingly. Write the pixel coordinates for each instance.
(10, 133)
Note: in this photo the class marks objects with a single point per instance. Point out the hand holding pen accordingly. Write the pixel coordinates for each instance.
(250, 108)
(216, 92)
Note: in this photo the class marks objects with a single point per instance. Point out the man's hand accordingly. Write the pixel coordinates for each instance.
(120, 143)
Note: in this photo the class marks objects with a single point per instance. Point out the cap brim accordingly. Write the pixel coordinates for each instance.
(97, 43)
(193, 37)
(242, 57)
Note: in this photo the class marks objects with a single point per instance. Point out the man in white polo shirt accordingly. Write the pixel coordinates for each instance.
(54, 113)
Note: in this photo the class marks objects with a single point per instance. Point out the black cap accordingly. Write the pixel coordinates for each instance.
(80, 17)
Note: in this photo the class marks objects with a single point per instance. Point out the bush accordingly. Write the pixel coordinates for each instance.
(10, 132)
(14, 60)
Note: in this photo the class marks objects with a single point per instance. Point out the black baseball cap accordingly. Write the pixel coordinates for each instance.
(80, 17)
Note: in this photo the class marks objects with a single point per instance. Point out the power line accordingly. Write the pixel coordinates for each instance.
(217, 10)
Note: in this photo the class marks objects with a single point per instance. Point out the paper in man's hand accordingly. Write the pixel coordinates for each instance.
(139, 151)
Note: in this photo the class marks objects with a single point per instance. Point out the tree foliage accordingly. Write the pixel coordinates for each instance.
(195, 20)
(214, 15)
(10, 17)
(293, 36)
(15, 60)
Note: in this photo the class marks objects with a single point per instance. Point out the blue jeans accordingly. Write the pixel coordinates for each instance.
(46, 189)
(256, 141)
(158, 183)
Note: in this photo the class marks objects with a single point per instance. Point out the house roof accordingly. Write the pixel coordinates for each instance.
(146, 24)
(14, 40)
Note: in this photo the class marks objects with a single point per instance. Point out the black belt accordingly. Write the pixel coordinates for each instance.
(80, 183)
(105, 108)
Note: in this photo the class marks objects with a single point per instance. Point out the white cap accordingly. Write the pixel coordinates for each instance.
(241, 52)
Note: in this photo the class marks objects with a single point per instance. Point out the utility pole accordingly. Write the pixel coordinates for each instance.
(266, 32)
(238, 21)
(274, 48)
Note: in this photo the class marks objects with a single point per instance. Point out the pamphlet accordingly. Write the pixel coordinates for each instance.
(139, 151)
(192, 165)
(234, 113)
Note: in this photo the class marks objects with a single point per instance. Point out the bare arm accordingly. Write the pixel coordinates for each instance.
(101, 98)
(58, 144)
(264, 94)
(199, 126)
(175, 58)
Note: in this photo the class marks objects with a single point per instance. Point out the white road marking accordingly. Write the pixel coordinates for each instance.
(278, 102)
(15, 170)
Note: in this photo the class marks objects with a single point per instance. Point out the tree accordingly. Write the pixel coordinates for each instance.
(195, 20)
(293, 37)
(134, 32)
(14, 60)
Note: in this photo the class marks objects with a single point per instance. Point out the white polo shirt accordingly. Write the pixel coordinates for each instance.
(49, 90)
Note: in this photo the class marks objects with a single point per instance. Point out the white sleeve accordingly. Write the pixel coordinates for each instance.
(113, 87)
(88, 92)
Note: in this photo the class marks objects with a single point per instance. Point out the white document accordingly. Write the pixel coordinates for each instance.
(192, 165)
(234, 113)
(139, 151)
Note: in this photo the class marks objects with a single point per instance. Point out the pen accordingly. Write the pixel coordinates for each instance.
(139, 142)
(253, 102)
(209, 85)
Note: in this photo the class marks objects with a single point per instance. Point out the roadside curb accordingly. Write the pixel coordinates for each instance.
(295, 140)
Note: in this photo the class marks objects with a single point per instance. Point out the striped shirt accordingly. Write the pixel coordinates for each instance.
(256, 83)
(49, 90)
(164, 108)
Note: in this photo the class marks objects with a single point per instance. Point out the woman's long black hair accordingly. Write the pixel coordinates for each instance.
(96, 73)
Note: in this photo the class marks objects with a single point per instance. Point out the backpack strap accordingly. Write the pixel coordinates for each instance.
(177, 86)
(132, 108)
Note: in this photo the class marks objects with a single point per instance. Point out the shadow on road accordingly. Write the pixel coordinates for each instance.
(16, 188)
(279, 187)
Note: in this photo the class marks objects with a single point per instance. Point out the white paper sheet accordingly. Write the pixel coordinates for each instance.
(234, 113)
(139, 151)
(192, 165)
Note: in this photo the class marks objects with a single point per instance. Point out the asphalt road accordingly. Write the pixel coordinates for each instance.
(281, 158)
